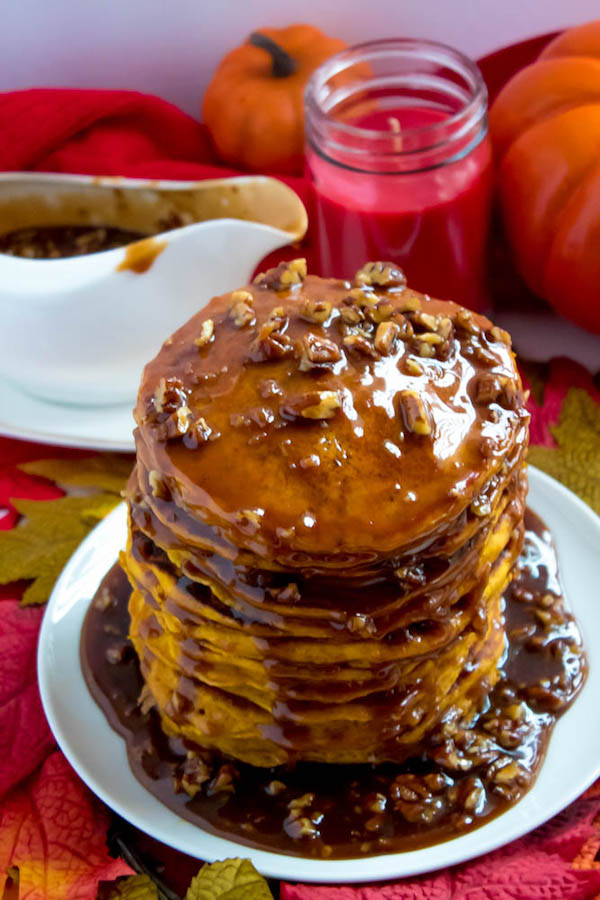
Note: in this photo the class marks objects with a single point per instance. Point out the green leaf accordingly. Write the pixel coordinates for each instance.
(40, 545)
(231, 879)
(576, 459)
(135, 887)
(107, 472)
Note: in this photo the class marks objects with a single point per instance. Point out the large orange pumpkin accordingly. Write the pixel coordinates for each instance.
(254, 105)
(545, 125)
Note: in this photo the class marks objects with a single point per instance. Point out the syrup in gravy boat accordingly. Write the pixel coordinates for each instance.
(80, 329)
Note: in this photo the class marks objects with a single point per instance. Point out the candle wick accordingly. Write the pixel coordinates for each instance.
(396, 128)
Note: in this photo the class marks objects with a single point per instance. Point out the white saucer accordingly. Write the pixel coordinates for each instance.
(98, 754)
(92, 427)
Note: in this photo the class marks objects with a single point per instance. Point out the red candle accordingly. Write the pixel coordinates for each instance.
(399, 157)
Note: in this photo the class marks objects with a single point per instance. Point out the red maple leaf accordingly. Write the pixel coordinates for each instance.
(53, 831)
(25, 739)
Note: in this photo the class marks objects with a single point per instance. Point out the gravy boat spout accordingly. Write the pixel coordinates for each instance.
(80, 329)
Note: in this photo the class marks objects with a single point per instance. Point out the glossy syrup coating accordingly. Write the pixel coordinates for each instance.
(328, 417)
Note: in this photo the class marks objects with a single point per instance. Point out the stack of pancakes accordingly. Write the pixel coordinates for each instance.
(326, 509)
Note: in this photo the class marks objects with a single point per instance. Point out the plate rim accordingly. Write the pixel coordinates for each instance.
(72, 439)
(280, 865)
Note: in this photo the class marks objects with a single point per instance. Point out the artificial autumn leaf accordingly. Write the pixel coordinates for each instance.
(136, 887)
(53, 831)
(39, 547)
(25, 739)
(106, 472)
(230, 879)
(576, 459)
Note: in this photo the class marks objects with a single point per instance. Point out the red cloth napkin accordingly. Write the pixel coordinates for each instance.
(107, 133)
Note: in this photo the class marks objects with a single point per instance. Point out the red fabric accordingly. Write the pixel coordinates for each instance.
(107, 133)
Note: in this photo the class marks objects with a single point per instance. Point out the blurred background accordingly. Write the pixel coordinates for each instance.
(171, 47)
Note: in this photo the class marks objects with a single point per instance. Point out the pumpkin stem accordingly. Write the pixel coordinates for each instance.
(282, 63)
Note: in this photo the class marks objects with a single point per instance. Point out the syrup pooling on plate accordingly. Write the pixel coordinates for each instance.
(464, 774)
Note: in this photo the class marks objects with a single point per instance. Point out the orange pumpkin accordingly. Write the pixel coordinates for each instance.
(545, 125)
(254, 105)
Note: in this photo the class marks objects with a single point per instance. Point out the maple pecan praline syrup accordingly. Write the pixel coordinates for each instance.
(326, 514)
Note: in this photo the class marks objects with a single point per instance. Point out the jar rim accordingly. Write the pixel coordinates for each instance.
(471, 112)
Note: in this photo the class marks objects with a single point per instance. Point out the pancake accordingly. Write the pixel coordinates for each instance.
(326, 508)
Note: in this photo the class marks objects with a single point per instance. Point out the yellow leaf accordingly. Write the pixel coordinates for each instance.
(576, 459)
(40, 545)
(135, 887)
(106, 472)
(231, 879)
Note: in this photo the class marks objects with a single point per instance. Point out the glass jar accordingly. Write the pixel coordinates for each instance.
(400, 160)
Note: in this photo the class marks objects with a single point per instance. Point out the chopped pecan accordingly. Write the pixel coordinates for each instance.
(500, 336)
(424, 319)
(224, 782)
(317, 351)
(481, 506)
(351, 315)
(207, 330)
(381, 312)
(241, 311)
(385, 337)
(362, 298)
(315, 310)
(414, 413)
(413, 366)
(361, 344)
(192, 774)
(465, 320)
(491, 388)
(471, 795)
(158, 486)
(271, 343)
(383, 274)
(199, 433)
(300, 827)
(362, 624)
(249, 520)
(283, 276)
(288, 594)
(169, 395)
(411, 575)
(420, 798)
(312, 405)
(275, 787)
(426, 350)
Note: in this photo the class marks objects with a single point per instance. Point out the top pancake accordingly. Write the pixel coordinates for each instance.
(329, 418)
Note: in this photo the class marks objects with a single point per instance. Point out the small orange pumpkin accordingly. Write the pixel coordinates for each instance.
(545, 125)
(254, 105)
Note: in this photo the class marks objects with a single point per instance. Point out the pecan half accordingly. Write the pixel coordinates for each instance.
(383, 274)
(318, 351)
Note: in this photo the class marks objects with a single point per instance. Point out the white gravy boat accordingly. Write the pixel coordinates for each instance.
(79, 330)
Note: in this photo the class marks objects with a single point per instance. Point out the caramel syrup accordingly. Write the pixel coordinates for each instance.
(454, 783)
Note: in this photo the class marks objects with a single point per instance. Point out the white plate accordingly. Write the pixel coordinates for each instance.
(98, 754)
(93, 427)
